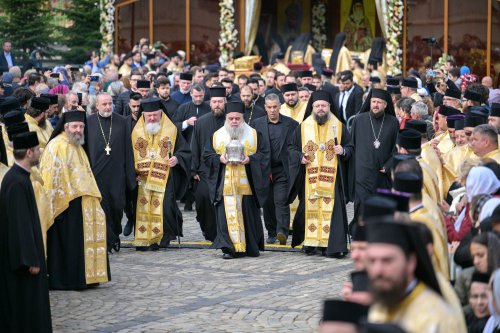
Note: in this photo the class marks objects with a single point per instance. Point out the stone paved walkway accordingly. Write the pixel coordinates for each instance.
(194, 290)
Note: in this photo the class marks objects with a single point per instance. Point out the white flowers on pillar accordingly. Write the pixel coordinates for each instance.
(394, 17)
(319, 25)
(228, 37)
(107, 27)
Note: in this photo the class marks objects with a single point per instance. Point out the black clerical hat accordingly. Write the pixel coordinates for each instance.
(343, 311)
(473, 121)
(359, 281)
(472, 95)
(495, 110)
(150, 56)
(321, 95)
(327, 72)
(448, 110)
(310, 87)
(392, 81)
(25, 140)
(151, 104)
(358, 233)
(217, 92)
(54, 99)
(400, 157)
(409, 139)
(72, 116)
(408, 182)
(410, 82)
(480, 277)
(376, 205)
(305, 74)
(17, 128)
(402, 199)
(418, 125)
(453, 93)
(393, 90)
(143, 84)
(10, 103)
(13, 117)
(459, 124)
(375, 79)
(257, 66)
(379, 93)
(186, 76)
(480, 111)
(408, 238)
(450, 120)
(289, 87)
(235, 107)
(381, 328)
(40, 103)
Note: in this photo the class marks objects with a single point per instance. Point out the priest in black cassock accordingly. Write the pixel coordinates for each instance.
(318, 150)
(162, 87)
(374, 132)
(187, 115)
(238, 184)
(161, 160)
(24, 304)
(112, 162)
(76, 241)
(204, 128)
(252, 110)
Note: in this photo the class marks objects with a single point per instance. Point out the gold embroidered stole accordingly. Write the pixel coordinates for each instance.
(66, 175)
(43, 134)
(445, 144)
(297, 113)
(42, 203)
(321, 172)
(151, 154)
(431, 182)
(494, 155)
(8, 147)
(236, 184)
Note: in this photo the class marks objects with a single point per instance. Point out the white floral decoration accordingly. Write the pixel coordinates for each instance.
(228, 37)
(107, 27)
(394, 18)
(318, 25)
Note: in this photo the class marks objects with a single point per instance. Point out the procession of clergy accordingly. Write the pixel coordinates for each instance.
(65, 189)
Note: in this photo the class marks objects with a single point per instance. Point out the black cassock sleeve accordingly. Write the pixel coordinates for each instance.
(347, 163)
(258, 170)
(297, 169)
(196, 151)
(22, 245)
(181, 172)
(129, 159)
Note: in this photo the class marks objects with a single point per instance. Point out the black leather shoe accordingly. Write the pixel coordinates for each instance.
(164, 244)
(128, 228)
(309, 250)
(337, 255)
(271, 240)
(227, 256)
(154, 247)
(281, 238)
(142, 248)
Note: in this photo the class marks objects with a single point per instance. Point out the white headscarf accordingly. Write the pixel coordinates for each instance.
(481, 180)
(488, 208)
(494, 321)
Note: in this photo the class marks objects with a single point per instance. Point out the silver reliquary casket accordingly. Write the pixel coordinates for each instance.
(235, 151)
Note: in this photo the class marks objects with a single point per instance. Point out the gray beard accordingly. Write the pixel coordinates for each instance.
(76, 139)
(321, 120)
(153, 128)
(235, 132)
(105, 114)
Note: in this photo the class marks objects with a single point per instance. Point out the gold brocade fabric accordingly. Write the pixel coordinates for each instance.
(432, 159)
(3, 171)
(43, 134)
(435, 222)
(452, 162)
(344, 60)
(494, 155)
(431, 181)
(8, 147)
(42, 203)
(236, 184)
(297, 113)
(422, 310)
(307, 56)
(151, 154)
(445, 144)
(281, 68)
(321, 171)
(66, 174)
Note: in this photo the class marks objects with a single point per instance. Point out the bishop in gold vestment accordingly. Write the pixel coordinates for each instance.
(76, 241)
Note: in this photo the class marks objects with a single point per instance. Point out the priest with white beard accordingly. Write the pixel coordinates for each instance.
(238, 185)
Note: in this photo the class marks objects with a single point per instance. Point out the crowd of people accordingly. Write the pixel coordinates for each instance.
(273, 151)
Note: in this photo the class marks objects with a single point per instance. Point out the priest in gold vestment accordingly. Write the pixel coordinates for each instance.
(293, 106)
(402, 281)
(76, 241)
(443, 141)
(238, 182)
(317, 152)
(162, 164)
(36, 117)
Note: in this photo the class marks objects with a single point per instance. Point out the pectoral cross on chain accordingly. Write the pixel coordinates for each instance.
(107, 149)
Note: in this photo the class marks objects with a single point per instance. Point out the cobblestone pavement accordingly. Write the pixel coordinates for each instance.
(194, 290)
